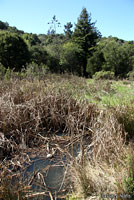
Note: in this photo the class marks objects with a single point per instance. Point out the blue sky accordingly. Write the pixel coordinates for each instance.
(114, 17)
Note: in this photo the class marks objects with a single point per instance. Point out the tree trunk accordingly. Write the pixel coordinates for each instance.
(85, 74)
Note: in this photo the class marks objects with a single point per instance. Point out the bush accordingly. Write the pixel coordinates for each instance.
(38, 55)
(125, 116)
(129, 180)
(34, 70)
(8, 74)
(14, 52)
(104, 75)
(2, 71)
(130, 75)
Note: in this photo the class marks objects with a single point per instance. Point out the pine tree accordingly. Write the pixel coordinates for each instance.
(85, 35)
(67, 30)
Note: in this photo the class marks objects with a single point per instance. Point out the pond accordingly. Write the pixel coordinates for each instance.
(47, 168)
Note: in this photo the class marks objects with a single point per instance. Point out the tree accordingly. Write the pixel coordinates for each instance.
(13, 51)
(69, 59)
(85, 35)
(112, 54)
(53, 25)
(3, 25)
(118, 56)
(96, 61)
(54, 48)
(38, 55)
(67, 30)
(31, 39)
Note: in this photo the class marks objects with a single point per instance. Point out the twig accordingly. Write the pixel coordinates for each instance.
(63, 179)
(51, 197)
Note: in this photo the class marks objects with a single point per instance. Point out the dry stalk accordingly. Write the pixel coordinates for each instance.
(108, 140)
(31, 110)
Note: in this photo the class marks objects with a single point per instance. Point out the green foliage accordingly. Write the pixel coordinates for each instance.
(38, 55)
(31, 39)
(130, 75)
(129, 181)
(104, 75)
(69, 59)
(85, 35)
(82, 51)
(52, 44)
(118, 57)
(8, 74)
(3, 25)
(53, 64)
(112, 54)
(67, 30)
(55, 39)
(95, 62)
(111, 93)
(13, 29)
(34, 70)
(125, 116)
(54, 50)
(2, 71)
(74, 196)
(31, 71)
(13, 51)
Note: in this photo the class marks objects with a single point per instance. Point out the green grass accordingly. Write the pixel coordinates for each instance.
(110, 93)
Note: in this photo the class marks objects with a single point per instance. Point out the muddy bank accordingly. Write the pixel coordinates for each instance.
(46, 169)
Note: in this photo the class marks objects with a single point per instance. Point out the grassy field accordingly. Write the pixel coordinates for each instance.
(97, 113)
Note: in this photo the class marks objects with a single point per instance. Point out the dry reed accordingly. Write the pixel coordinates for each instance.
(32, 110)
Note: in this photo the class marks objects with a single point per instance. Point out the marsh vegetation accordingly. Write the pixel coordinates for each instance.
(48, 119)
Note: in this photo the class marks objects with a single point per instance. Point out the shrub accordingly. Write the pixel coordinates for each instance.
(129, 180)
(14, 52)
(31, 72)
(38, 55)
(125, 116)
(8, 74)
(130, 75)
(2, 71)
(34, 70)
(104, 75)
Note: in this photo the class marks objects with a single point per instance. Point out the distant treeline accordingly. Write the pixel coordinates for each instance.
(81, 51)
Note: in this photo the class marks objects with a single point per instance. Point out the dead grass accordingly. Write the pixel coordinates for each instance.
(109, 138)
(125, 116)
(32, 110)
(104, 159)
(11, 185)
(41, 107)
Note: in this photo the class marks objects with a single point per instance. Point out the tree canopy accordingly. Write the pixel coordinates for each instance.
(80, 50)
(14, 52)
(70, 57)
(112, 54)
